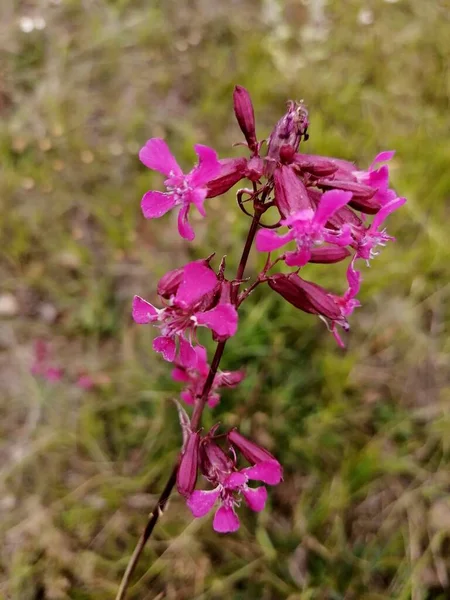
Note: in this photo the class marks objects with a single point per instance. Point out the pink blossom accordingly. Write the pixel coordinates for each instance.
(370, 238)
(182, 190)
(313, 298)
(196, 301)
(230, 486)
(195, 379)
(43, 365)
(308, 229)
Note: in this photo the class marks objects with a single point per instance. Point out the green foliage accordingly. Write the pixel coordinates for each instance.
(363, 434)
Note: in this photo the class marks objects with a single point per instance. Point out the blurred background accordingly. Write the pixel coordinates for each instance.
(363, 434)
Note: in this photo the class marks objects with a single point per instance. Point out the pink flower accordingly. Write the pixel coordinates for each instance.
(230, 486)
(195, 379)
(368, 239)
(196, 300)
(182, 190)
(312, 298)
(308, 229)
(43, 365)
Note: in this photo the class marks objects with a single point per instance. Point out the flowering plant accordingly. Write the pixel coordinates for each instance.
(323, 206)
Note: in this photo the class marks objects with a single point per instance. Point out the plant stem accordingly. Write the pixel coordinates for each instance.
(195, 422)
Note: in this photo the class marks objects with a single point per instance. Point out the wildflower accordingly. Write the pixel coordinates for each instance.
(230, 486)
(182, 190)
(313, 298)
(308, 228)
(370, 238)
(43, 365)
(195, 300)
(195, 379)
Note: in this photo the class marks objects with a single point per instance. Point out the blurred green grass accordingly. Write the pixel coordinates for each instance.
(364, 512)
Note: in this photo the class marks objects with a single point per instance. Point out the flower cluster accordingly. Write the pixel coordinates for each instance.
(194, 296)
(219, 467)
(324, 209)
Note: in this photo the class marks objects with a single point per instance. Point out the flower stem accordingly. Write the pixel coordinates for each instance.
(195, 423)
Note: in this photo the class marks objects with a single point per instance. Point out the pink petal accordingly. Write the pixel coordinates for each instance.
(269, 472)
(267, 240)
(225, 520)
(187, 356)
(53, 374)
(382, 157)
(197, 197)
(222, 319)
(255, 498)
(184, 228)
(143, 312)
(208, 166)
(157, 156)
(198, 280)
(202, 360)
(329, 203)
(188, 397)
(201, 502)
(180, 375)
(213, 400)
(156, 204)
(354, 280)
(299, 258)
(166, 346)
(235, 480)
(386, 211)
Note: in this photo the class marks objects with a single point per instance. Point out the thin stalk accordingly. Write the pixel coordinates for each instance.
(195, 422)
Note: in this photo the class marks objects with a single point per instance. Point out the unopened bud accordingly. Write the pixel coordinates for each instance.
(289, 130)
(243, 109)
(187, 471)
(232, 170)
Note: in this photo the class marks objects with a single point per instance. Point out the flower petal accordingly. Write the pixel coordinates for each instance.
(197, 197)
(157, 156)
(298, 258)
(269, 472)
(267, 240)
(382, 157)
(225, 520)
(188, 397)
(187, 356)
(208, 166)
(165, 346)
(386, 211)
(184, 228)
(222, 319)
(156, 204)
(198, 280)
(235, 480)
(329, 203)
(201, 502)
(143, 312)
(255, 498)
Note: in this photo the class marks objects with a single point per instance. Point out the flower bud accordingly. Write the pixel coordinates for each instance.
(214, 463)
(255, 168)
(243, 109)
(289, 130)
(305, 295)
(232, 170)
(362, 198)
(328, 254)
(291, 195)
(251, 451)
(187, 471)
(316, 165)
